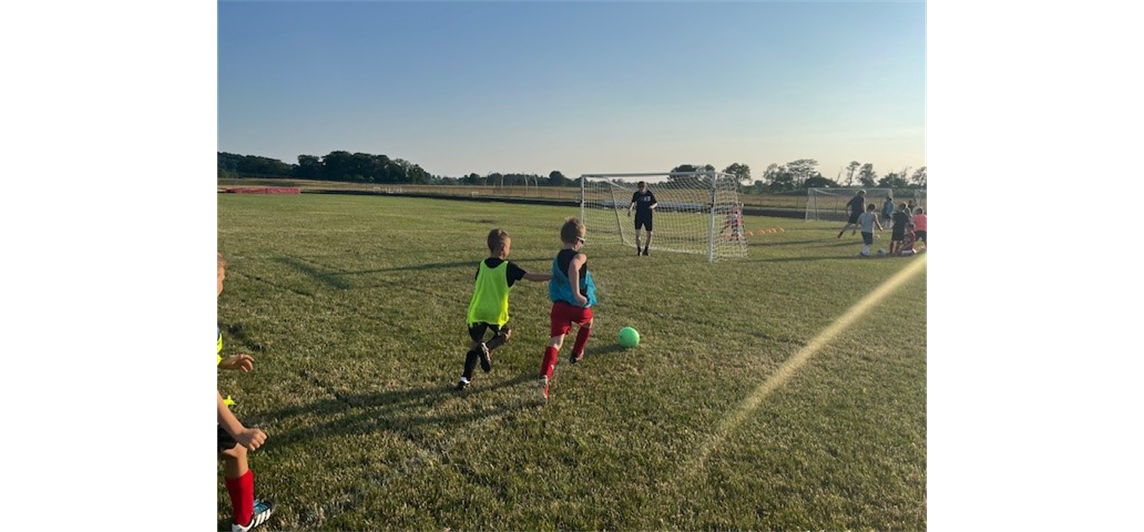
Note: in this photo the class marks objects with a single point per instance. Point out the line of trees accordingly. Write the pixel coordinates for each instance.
(368, 168)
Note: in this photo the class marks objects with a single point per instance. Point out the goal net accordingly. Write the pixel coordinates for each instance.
(692, 210)
(829, 204)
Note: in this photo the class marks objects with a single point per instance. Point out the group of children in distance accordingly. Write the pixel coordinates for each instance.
(571, 291)
(909, 225)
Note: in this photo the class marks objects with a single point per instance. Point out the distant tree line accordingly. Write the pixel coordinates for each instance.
(369, 168)
(802, 174)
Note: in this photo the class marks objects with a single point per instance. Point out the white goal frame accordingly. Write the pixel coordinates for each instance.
(691, 212)
(829, 203)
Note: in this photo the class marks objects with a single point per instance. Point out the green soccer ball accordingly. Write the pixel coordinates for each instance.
(629, 337)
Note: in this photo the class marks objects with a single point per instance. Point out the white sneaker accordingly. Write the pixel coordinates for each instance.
(486, 358)
(262, 511)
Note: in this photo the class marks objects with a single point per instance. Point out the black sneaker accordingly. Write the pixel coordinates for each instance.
(462, 384)
(645, 251)
(486, 358)
(262, 511)
(573, 358)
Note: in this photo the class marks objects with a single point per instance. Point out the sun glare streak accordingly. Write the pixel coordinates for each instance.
(788, 369)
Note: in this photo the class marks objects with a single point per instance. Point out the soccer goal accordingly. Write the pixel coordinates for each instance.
(829, 204)
(690, 217)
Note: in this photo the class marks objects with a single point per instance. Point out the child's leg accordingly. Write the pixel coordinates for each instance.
(471, 361)
(581, 339)
(239, 483)
(548, 363)
(499, 339)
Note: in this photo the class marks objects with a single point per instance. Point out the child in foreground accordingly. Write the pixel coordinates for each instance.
(572, 293)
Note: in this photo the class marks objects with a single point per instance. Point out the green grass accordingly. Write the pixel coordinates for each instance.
(794, 203)
(354, 309)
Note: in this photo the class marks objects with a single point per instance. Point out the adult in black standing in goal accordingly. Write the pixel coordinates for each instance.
(644, 202)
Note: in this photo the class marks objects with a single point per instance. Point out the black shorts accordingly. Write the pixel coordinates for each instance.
(898, 234)
(644, 220)
(921, 235)
(225, 441)
(477, 330)
(867, 238)
(854, 217)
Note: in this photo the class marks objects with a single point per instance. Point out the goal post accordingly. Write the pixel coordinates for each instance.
(829, 203)
(692, 208)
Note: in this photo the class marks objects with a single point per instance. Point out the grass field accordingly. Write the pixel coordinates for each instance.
(784, 391)
(795, 204)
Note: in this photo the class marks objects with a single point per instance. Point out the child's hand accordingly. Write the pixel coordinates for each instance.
(581, 300)
(251, 438)
(241, 363)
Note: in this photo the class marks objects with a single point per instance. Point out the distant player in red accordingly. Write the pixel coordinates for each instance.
(734, 222)
(920, 223)
(908, 240)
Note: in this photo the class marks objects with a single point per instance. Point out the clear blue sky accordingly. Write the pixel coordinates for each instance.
(465, 87)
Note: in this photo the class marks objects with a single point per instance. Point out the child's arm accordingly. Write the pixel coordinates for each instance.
(251, 438)
(574, 277)
(538, 277)
(241, 363)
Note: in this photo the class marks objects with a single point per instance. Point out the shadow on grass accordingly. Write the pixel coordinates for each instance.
(599, 350)
(336, 279)
(801, 259)
(327, 278)
(765, 245)
(400, 412)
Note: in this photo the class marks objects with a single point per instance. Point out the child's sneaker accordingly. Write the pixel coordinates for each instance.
(486, 358)
(462, 384)
(543, 389)
(574, 358)
(262, 511)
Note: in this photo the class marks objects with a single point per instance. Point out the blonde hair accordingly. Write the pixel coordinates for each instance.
(572, 229)
(497, 239)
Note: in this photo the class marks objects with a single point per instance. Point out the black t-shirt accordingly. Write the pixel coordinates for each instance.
(564, 259)
(643, 201)
(900, 221)
(855, 205)
(513, 272)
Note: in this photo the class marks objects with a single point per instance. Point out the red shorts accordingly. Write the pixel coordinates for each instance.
(564, 315)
